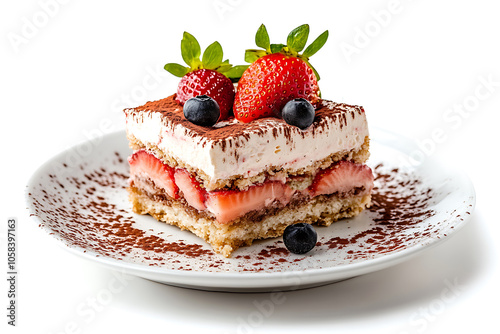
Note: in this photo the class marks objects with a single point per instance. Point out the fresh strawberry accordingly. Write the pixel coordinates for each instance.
(145, 164)
(209, 76)
(270, 82)
(210, 83)
(342, 177)
(191, 189)
(277, 75)
(228, 205)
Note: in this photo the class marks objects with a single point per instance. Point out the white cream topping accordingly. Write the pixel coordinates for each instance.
(256, 151)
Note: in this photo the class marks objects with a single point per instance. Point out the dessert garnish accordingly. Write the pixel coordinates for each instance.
(298, 112)
(300, 238)
(277, 74)
(202, 110)
(209, 76)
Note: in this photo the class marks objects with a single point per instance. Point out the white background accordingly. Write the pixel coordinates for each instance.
(67, 69)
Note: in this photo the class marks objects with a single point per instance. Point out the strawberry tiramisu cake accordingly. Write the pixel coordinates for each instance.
(233, 165)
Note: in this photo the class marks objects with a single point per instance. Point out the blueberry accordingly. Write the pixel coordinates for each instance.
(298, 112)
(300, 238)
(202, 110)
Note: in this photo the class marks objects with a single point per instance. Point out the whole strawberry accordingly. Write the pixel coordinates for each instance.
(210, 83)
(278, 74)
(209, 76)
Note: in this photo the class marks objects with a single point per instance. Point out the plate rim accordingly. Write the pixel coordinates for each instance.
(363, 266)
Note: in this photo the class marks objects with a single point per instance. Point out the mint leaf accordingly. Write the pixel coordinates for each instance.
(190, 50)
(262, 38)
(316, 45)
(212, 57)
(176, 69)
(297, 38)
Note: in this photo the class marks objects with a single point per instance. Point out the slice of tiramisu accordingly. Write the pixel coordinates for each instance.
(287, 156)
(238, 182)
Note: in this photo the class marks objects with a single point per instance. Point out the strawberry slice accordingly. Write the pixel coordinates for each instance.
(145, 164)
(191, 189)
(228, 205)
(342, 177)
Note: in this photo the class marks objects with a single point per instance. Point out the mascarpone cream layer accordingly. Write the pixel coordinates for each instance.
(261, 145)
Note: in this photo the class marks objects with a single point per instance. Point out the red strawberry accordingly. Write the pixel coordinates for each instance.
(210, 83)
(278, 74)
(342, 177)
(209, 76)
(191, 189)
(145, 164)
(270, 82)
(228, 205)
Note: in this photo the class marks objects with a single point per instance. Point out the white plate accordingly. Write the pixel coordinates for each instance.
(79, 197)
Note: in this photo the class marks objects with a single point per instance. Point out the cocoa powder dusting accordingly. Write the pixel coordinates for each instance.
(173, 115)
(90, 221)
(87, 207)
(399, 203)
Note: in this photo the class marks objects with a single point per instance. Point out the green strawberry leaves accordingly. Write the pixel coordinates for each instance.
(190, 50)
(316, 45)
(252, 55)
(297, 38)
(295, 43)
(211, 59)
(275, 48)
(235, 72)
(213, 54)
(262, 38)
(177, 70)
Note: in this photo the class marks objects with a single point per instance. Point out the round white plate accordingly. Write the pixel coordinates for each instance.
(79, 197)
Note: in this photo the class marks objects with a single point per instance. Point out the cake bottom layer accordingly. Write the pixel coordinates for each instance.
(226, 238)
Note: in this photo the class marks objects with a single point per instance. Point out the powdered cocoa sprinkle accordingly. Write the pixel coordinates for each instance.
(398, 203)
(273, 251)
(78, 208)
(173, 112)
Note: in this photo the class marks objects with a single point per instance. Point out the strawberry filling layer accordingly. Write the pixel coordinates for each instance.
(228, 205)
